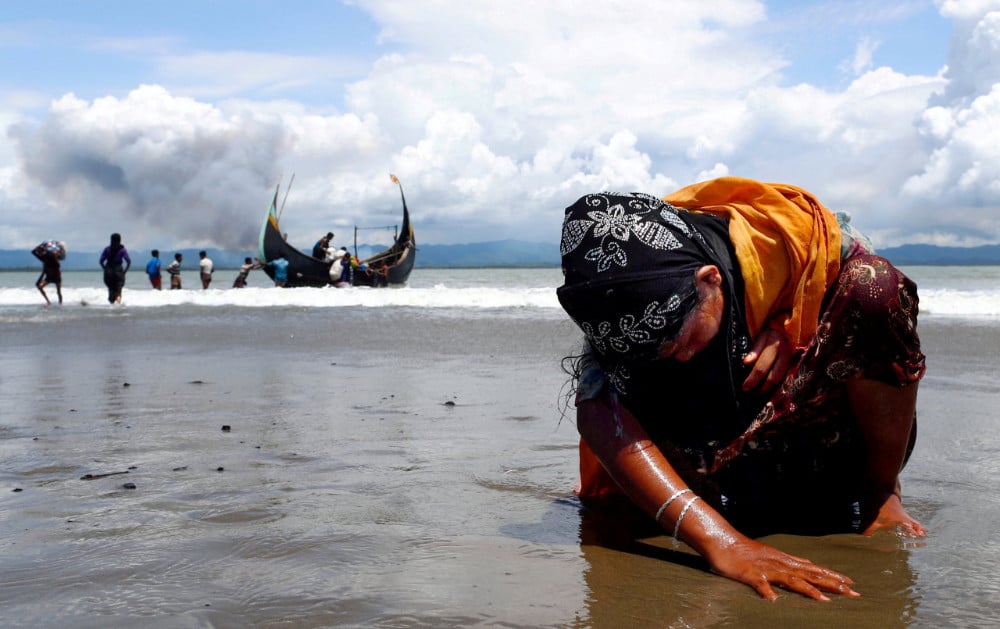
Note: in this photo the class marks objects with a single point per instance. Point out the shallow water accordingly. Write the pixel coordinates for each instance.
(400, 467)
(357, 484)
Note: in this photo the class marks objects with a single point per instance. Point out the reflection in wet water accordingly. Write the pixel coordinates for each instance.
(638, 577)
(348, 493)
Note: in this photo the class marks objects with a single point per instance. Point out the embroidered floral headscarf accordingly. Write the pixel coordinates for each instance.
(629, 262)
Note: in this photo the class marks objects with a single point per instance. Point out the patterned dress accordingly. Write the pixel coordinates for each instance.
(795, 461)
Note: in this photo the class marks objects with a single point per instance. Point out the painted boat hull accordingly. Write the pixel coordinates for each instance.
(390, 267)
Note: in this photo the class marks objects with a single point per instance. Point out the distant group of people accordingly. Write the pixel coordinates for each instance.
(155, 274)
(115, 262)
(154, 270)
(343, 264)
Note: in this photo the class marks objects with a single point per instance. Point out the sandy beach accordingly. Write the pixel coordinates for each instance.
(390, 468)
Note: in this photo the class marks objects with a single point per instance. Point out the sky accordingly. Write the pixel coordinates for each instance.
(173, 123)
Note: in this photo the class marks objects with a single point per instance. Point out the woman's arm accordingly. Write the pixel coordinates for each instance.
(638, 466)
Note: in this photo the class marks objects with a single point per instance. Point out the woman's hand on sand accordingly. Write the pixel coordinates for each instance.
(762, 567)
(771, 357)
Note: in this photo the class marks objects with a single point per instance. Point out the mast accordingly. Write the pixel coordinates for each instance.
(287, 190)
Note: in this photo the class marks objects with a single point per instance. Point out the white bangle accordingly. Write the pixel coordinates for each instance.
(677, 494)
(677, 526)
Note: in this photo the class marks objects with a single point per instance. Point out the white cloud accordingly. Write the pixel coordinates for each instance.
(974, 58)
(717, 170)
(964, 166)
(957, 188)
(497, 117)
(863, 55)
(967, 9)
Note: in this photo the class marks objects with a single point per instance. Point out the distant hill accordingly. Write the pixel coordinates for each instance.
(499, 253)
(932, 255)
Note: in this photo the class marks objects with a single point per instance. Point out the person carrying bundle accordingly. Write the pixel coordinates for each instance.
(50, 252)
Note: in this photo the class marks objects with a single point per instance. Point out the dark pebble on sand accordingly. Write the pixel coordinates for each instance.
(449, 403)
(129, 485)
(226, 428)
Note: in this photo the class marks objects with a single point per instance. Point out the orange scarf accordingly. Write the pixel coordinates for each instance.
(787, 244)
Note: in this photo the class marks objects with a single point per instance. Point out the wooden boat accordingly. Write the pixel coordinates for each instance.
(386, 268)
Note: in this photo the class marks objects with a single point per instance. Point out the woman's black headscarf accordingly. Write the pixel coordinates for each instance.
(115, 246)
(629, 262)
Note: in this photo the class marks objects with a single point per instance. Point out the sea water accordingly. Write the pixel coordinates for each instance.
(529, 291)
(405, 457)
(945, 291)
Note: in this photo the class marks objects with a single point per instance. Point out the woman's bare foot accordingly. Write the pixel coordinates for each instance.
(892, 515)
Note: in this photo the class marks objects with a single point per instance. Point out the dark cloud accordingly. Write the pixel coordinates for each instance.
(190, 174)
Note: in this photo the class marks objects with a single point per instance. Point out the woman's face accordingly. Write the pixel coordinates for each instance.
(701, 326)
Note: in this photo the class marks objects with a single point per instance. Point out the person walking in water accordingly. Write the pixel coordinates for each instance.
(280, 267)
(206, 267)
(174, 270)
(116, 262)
(153, 270)
(50, 253)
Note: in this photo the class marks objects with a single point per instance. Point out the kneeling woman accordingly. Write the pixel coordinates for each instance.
(750, 367)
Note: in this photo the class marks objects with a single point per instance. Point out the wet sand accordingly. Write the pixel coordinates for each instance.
(394, 469)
